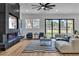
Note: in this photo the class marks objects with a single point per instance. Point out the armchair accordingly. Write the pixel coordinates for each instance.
(29, 35)
(41, 34)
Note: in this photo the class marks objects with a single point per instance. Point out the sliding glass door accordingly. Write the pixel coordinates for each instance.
(48, 28)
(63, 26)
(56, 26)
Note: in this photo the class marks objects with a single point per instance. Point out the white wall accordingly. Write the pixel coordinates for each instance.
(42, 17)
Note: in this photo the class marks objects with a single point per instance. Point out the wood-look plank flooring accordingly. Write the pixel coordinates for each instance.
(17, 50)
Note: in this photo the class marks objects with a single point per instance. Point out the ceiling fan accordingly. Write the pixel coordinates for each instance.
(44, 6)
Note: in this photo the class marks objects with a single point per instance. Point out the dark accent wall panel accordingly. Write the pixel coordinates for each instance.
(2, 7)
(2, 21)
(2, 18)
(14, 9)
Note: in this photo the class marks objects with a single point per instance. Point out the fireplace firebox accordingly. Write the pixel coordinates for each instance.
(11, 37)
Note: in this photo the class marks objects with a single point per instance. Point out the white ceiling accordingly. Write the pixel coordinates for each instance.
(61, 8)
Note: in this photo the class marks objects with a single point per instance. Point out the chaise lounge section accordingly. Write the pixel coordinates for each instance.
(68, 47)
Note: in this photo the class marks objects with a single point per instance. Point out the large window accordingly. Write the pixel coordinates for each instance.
(28, 23)
(56, 26)
(32, 23)
(36, 23)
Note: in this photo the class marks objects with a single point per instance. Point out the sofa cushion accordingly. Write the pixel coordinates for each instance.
(65, 38)
(61, 43)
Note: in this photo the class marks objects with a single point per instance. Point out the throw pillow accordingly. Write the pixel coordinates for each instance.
(66, 38)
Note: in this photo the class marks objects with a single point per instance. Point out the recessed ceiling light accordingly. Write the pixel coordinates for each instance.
(27, 10)
(56, 10)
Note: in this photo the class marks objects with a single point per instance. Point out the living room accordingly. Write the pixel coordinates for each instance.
(39, 29)
(61, 13)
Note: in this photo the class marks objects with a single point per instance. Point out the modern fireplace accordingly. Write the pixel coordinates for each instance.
(11, 37)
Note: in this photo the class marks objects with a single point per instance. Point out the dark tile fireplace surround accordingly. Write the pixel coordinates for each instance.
(9, 40)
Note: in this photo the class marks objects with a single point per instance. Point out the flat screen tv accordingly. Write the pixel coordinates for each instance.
(12, 22)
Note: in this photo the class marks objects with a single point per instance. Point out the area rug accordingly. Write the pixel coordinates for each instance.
(34, 46)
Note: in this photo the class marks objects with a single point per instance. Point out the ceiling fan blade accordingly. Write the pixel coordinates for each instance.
(41, 4)
(47, 4)
(51, 5)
